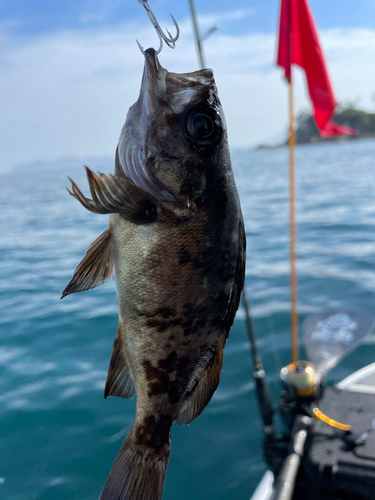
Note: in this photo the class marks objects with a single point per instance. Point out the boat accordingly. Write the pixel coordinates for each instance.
(325, 448)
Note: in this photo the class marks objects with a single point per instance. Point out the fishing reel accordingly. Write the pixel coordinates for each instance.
(301, 380)
(302, 386)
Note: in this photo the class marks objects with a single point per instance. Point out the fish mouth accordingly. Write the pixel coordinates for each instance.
(138, 148)
(131, 148)
(153, 82)
(153, 70)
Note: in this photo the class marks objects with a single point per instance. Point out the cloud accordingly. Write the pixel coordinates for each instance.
(68, 93)
(234, 15)
(98, 11)
(351, 61)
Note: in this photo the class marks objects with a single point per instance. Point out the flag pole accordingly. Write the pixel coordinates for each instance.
(293, 273)
(298, 36)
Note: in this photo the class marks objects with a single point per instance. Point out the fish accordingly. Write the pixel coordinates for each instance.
(176, 244)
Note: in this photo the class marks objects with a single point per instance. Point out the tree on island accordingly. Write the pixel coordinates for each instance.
(348, 115)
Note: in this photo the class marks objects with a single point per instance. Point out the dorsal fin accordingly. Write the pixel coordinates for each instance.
(197, 400)
(95, 268)
(120, 379)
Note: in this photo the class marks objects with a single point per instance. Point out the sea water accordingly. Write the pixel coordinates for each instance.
(58, 435)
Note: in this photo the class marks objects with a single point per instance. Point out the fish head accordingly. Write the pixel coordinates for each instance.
(174, 134)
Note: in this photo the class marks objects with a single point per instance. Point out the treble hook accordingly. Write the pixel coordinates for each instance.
(169, 41)
(159, 49)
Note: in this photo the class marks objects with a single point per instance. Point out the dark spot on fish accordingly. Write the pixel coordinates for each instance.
(206, 259)
(160, 387)
(169, 363)
(166, 312)
(144, 432)
(188, 324)
(168, 345)
(162, 319)
(154, 432)
(161, 435)
(174, 392)
(163, 325)
(198, 263)
(184, 256)
(155, 323)
(170, 377)
(188, 329)
(183, 364)
(151, 372)
(158, 378)
(171, 337)
(196, 319)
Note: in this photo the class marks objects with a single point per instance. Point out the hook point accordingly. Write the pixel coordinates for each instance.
(140, 47)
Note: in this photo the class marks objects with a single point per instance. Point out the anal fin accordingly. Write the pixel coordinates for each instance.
(95, 268)
(120, 379)
(197, 400)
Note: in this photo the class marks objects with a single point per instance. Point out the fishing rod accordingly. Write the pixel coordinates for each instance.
(199, 39)
(261, 385)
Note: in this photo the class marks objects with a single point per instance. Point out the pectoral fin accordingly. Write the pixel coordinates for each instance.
(95, 268)
(117, 195)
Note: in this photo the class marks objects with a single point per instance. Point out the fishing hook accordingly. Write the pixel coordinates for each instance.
(169, 41)
(159, 49)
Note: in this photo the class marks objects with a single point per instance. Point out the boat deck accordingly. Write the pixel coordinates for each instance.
(362, 381)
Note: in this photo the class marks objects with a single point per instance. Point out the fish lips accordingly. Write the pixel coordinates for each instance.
(162, 90)
(153, 82)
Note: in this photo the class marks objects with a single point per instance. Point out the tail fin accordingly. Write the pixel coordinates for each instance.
(138, 472)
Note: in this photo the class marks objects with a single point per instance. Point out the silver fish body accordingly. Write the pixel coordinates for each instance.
(176, 244)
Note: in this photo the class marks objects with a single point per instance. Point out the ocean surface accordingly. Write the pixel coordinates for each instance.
(58, 435)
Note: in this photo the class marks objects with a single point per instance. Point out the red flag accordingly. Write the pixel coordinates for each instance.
(299, 44)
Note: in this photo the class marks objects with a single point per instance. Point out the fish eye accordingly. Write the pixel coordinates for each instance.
(203, 127)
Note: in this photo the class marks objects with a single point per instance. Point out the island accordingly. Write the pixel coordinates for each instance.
(362, 121)
(349, 116)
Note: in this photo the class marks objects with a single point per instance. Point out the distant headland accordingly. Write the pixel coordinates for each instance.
(307, 132)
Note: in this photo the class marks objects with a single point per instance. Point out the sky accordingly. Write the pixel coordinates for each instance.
(69, 70)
